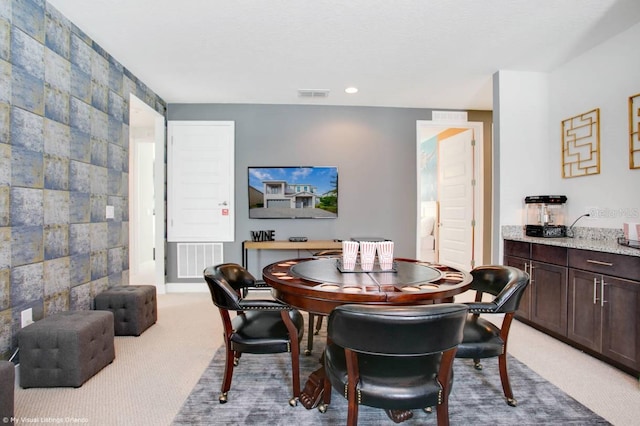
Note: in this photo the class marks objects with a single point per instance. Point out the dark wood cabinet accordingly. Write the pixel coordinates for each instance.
(548, 288)
(545, 300)
(586, 298)
(604, 310)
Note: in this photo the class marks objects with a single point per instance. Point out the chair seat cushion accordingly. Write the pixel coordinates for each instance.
(481, 339)
(263, 332)
(400, 383)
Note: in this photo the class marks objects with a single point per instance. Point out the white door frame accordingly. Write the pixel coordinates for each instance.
(159, 204)
(425, 128)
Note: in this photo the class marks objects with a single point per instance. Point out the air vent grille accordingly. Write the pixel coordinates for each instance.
(449, 116)
(313, 93)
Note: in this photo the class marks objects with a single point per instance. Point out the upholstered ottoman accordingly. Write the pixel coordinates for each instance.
(134, 308)
(7, 384)
(65, 349)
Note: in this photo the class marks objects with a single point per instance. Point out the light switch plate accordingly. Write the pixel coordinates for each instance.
(110, 212)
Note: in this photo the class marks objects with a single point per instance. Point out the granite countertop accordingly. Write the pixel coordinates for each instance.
(596, 239)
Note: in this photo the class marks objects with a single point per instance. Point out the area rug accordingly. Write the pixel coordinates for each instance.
(261, 389)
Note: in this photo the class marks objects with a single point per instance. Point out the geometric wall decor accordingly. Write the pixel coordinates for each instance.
(581, 145)
(634, 131)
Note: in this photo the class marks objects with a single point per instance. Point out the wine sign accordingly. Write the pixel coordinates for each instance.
(263, 235)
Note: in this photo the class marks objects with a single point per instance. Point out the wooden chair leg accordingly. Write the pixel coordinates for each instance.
(318, 325)
(504, 378)
(228, 373)
(295, 356)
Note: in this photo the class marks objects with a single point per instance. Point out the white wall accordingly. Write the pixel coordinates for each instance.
(522, 132)
(531, 107)
(604, 78)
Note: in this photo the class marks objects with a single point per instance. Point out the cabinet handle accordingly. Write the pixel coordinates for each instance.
(598, 262)
(602, 284)
(595, 289)
(531, 280)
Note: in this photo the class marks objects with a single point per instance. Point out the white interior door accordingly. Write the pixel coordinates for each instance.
(200, 196)
(456, 199)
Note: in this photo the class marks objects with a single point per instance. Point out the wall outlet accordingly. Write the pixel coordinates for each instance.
(110, 213)
(26, 317)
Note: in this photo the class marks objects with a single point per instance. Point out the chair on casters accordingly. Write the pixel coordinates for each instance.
(261, 326)
(316, 324)
(397, 358)
(482, 338)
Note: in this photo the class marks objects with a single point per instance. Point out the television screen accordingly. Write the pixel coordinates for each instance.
(293, 192)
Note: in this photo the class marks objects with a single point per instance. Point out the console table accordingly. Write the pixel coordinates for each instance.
(287, 245)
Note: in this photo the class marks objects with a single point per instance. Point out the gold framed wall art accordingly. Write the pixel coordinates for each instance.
(634, 131)
(581, 145)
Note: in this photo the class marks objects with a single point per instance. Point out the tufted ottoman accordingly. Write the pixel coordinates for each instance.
(134, 308)
(65, 349)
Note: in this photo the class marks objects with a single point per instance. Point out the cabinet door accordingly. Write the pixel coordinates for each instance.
(549, 297)
(621, 319)
(524, 309)
(584, 316)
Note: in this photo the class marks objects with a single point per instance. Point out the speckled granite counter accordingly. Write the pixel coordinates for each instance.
(596, 239)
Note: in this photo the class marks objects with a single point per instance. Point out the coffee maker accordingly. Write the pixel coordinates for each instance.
(545, 216)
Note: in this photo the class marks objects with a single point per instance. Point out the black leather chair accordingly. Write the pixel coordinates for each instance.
(482, 338)
(397, 358)
(261, 326)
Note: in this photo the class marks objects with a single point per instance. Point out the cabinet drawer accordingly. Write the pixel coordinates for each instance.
(517, 248)
(549, 254)
(616, 265)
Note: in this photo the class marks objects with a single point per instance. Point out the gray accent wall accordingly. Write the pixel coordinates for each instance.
(374, 149)
(64, 142)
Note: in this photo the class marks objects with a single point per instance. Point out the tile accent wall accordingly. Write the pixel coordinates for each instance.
(64, 141)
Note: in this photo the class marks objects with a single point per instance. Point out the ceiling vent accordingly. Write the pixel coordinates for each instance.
(313, 93)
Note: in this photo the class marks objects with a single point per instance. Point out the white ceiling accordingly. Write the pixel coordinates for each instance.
(403, 53)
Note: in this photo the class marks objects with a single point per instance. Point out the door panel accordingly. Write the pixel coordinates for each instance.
(621, 311)
(584, 310)
(201, 175)
(549, 297)
(456, 199)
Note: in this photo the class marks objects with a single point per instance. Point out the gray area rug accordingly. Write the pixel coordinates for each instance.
(261, 389)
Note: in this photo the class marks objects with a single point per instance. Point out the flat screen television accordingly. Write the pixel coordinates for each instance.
(293, 192)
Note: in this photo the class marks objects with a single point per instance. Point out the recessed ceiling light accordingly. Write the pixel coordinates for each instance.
(351, 90)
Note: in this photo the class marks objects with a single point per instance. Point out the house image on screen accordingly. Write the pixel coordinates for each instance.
(280, 194)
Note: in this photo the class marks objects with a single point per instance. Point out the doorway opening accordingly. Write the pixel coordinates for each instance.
(146, 195)
(450, 193)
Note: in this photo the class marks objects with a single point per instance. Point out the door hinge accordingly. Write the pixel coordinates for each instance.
(473, 223)
(473, 263)
(473, 182)
(473, 142)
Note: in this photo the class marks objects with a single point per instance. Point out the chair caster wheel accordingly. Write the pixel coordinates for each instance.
(307, 352)
(512, 402)
(293, 401)
(428, 410)
(236, 361)
(223, 398)
(477, 366)
(323, 408)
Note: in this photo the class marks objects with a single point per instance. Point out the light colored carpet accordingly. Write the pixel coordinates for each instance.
(154, 373)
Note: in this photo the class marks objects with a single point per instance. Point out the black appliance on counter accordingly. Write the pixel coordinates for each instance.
(545, 216)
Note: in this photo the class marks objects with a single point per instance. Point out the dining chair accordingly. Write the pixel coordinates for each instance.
(315, 321)
(260, 326)
(397, 358)
(483, 338)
